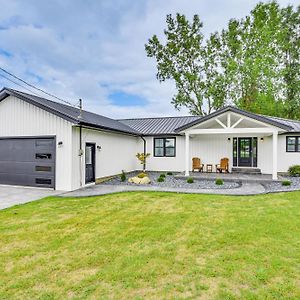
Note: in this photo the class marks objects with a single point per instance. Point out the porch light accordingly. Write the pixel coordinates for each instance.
(99, 148)
(261, 139)
(229, 139)
(60, 144)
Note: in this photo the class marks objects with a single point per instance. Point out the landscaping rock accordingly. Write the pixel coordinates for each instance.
(137, 180)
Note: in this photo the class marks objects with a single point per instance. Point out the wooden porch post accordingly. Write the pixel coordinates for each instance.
(187, 154)
(275, 150)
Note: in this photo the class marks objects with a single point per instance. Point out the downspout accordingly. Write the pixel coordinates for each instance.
(80, 145)
(144, 164)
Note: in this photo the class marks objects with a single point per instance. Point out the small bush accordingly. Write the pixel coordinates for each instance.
(162, 175)
(286, 183)
(160, 179)
(169, 173)
(190, 180)
(219, 181)
(294, 170)
(142, 175)
(123, 176)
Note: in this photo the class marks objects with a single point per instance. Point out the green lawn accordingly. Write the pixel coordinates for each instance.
(152, 246)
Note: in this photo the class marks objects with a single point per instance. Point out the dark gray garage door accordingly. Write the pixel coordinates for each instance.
(27, 161)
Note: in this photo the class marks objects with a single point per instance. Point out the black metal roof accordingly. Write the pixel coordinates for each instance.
(70, 113)
(140, 126)
(159, 126)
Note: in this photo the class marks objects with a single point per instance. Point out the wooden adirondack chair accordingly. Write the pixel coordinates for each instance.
(197, 164)
(223, 166)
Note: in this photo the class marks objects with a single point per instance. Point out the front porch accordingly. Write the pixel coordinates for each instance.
(247, 143)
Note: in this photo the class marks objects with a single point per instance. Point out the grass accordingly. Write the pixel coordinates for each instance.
(152, 246)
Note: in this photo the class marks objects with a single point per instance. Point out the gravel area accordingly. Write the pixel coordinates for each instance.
(171, 181)
(277, 186)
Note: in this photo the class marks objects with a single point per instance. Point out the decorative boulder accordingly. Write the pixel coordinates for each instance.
(138, 180)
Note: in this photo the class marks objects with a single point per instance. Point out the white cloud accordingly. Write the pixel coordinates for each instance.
(88, 49)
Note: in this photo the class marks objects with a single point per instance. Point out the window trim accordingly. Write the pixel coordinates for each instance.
(297, 143)
(164, 146)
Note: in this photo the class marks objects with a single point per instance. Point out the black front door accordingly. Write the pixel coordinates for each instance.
(245, 152)
(89, 163)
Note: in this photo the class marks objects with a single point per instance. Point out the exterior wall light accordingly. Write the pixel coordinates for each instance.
(261, 139)
(60, 144)
(99, 148)
(228, 139)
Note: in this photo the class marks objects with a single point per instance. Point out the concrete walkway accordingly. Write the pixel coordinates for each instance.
(14, 195)
(96, 190)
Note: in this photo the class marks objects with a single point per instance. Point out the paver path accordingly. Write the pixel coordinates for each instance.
(95, 190)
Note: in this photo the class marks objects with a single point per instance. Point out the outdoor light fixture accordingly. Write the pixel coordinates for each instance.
(261, 139)
(60, 144)
(99, 148)
(228, 139)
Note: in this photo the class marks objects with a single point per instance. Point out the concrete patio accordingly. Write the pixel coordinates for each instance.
(258, 178)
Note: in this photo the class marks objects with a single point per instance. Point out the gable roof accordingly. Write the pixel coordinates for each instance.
(269, 120)
(70, 113)
(159, 126)
(140, 126)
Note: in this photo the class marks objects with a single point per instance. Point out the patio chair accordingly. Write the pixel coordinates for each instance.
(197, 164)
(223, 166)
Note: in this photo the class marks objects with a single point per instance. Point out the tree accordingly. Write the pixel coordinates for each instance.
(290, 52)
(250, 55)
(184, 59)
(253, 63)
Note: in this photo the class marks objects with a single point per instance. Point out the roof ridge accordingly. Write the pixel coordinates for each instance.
(169, 117)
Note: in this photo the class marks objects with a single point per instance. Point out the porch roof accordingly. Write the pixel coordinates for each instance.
(277, 122)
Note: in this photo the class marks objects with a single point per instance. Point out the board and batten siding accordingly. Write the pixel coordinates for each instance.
(21, 119)
(118, 152)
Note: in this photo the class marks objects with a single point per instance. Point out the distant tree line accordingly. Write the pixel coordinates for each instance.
(254, 63)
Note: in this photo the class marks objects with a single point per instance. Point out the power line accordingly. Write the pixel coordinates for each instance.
(32, 86)
(18, 84)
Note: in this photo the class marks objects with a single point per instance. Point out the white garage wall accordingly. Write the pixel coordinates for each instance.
(19, 118)
(117, 153)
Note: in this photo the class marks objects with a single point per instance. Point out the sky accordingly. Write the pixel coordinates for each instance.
(94, 50)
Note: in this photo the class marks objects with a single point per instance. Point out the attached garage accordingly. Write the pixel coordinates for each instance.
(28, 161)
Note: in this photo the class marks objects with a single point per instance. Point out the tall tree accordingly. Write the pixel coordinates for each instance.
(251, 60)
(254, 62)
(290, 52)
(181, 59)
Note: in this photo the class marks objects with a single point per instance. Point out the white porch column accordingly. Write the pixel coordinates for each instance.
(187, 154)
(275, 150)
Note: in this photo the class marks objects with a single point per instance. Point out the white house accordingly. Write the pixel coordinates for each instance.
(48, 144)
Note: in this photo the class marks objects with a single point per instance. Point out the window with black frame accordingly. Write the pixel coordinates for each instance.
(164, 147)
(293, 144)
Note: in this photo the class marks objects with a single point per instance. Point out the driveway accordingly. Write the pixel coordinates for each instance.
(14, 195)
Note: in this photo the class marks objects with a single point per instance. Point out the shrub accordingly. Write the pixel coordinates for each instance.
(286, 183)
(160, 179)
(142, 175)
(162, 175)
(294, 170)
(123, 176)
(170, 173)
(190, 180)
(219, 181)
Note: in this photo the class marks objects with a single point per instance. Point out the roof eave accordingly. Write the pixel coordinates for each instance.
(104, 128)
(44, 107)
(238, 111)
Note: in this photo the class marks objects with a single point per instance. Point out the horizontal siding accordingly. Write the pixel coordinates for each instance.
(19, 118)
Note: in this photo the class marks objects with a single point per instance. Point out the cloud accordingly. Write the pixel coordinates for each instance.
(95, 49)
